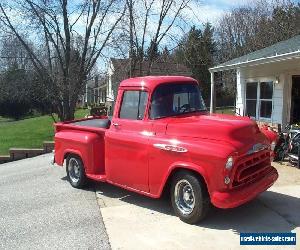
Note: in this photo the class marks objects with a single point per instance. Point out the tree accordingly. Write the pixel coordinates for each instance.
(249, 28)
(161, 15)
(152, 51)
(15, 93)
(13, 54)
(69, 40)
(20, 88)
(165, 54)
(196, 51)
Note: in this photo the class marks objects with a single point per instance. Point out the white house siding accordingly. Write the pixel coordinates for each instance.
(277, 112)
(282, 71)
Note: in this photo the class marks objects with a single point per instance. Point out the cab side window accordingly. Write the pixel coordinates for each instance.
(133, 104)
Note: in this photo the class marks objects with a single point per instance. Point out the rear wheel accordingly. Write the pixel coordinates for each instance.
(189, 197)
(75, 171)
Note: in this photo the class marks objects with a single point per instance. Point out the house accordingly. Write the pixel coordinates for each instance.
(95, 90)
(268, 83)
(120, 69)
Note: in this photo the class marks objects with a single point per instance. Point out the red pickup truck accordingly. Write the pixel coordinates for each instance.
(161, 138)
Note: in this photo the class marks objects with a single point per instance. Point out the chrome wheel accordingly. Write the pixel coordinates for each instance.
(74, 170)
(184, 197)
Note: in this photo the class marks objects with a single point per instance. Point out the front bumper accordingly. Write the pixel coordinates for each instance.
(236, 197)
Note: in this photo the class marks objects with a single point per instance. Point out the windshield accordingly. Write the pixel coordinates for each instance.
(175, 99)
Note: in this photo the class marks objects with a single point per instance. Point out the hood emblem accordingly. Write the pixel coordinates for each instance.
(168, 147)
(257, 147)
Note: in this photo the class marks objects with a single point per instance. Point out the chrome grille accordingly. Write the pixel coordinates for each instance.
(251, 168)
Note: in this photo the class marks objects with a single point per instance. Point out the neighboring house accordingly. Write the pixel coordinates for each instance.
(95, 91)
(88, 95)
(268, 83)
(119, 69)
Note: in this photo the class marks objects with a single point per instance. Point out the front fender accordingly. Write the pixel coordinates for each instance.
(183, 165)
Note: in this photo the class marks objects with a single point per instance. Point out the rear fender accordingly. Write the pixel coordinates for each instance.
(87, 145)
(61, 156)
(73, 152)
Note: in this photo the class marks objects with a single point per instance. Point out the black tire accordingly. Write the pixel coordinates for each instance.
(78, 179)
(201, 201)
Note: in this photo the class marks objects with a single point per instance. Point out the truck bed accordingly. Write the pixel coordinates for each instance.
(94, 123)
(85, 138)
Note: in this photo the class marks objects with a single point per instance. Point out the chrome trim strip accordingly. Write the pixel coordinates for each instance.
(170, 147)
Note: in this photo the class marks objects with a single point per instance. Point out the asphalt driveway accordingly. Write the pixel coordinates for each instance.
(40, 210)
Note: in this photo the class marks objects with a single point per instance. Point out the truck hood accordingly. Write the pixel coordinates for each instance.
(240, 132)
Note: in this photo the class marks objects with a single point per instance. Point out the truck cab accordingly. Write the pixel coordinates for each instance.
(161, 138)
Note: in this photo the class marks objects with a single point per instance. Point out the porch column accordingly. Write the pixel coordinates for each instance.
(212, 93)
(240, 92)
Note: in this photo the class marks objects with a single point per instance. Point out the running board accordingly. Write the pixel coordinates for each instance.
(97, 177)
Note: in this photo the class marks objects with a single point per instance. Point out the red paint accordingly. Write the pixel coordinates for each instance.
(130, 155)
(269, 133)
(272, 137)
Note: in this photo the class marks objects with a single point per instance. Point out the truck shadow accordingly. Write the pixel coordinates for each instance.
(90, 186)
(270, 212)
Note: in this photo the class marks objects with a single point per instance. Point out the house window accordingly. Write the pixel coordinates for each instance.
(266, 96)
(133, 105)
(259, 97)
(251, 98)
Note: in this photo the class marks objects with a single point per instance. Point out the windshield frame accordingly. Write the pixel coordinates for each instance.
(176, 114)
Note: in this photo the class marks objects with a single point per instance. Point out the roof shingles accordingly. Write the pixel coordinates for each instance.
(277, 49)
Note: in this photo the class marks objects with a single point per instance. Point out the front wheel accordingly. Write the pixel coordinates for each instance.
(189, 197)
(75, 171)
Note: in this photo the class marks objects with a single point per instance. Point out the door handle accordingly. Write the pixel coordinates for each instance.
(115, 124)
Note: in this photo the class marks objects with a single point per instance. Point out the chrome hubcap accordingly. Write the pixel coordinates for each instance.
(184, 197)
(74, 170)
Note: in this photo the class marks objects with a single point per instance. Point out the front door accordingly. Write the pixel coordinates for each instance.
(126, 142)
(295, 102)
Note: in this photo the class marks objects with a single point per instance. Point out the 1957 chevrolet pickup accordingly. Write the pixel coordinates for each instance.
(161, 138)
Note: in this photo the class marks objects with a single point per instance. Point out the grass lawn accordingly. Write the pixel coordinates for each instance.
(29, 133)
(227, 111)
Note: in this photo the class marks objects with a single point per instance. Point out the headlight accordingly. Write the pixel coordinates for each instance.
(229, 163)
(273, 145)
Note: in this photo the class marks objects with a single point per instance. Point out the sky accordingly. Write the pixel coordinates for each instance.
(212, 10)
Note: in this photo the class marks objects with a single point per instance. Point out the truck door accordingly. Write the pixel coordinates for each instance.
(126, 142)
